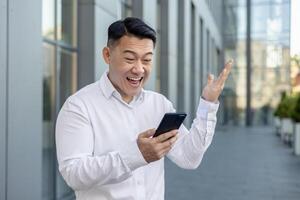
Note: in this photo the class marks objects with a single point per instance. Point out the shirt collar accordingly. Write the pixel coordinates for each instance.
(106, 86)
(109, 90)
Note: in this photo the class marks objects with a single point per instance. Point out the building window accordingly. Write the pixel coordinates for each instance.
(180, 56)
(158, 47)
(59, 31)
(270, 27)
(208, 52)
(201, 53)
(193, 57)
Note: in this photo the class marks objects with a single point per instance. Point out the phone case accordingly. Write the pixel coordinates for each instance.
(170, 122)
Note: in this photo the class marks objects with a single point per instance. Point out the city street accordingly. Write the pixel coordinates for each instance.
(241, 164)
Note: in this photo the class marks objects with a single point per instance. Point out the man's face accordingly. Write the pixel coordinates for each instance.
(130, 63)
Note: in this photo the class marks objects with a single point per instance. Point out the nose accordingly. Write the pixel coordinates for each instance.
(138, 68)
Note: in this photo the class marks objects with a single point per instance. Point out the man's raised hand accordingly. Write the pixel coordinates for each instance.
(214, 87)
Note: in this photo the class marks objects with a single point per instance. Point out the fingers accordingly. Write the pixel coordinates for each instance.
(224, 74)
(147, 133)
(155, 148)
(166, 136)
(169, 143)
(230, 61)
(210, 78)
(166, 146)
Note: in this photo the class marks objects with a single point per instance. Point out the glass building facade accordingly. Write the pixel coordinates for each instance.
(59, 31)
(270, 54)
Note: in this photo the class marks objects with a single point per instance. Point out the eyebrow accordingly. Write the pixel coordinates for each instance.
(132, 52)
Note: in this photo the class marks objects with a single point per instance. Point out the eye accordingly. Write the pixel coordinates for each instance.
(129, 60)
(147, 60)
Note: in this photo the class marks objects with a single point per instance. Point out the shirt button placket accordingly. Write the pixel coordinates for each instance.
(134, 121)
(141, 191)
(140, 184)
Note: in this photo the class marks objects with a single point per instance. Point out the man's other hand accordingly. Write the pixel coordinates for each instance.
(154, 148)
(214, 87)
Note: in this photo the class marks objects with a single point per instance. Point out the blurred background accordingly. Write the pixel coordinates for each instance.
(51, 48)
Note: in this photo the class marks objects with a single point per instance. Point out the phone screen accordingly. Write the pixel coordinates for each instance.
(169, 122)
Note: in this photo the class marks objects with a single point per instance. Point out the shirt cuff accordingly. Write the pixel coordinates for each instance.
(132, 156)
(207, 110)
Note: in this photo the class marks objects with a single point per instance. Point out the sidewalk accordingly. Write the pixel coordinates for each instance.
(241, 164)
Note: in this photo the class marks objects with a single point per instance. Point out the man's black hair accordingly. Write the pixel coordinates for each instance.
(130, 26)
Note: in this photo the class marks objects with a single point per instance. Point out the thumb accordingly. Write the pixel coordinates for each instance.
(147, 133)
(210, 78)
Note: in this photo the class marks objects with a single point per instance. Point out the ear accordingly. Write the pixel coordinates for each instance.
(106, 55)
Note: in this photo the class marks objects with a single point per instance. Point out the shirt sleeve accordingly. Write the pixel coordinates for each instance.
(78, 165)
(191, 145)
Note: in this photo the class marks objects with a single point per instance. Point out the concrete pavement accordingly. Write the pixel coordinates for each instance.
(241, 164)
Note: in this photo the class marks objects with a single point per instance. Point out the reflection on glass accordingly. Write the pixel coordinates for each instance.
(59, 82)
(126, 8)
(158, 47)
(270, 54)
(234, 95)
(68, 74)
(67, 22)
(270, 50)
(201, 54)
(48, 19)
(208, 51)
(48, 121)
(193, 62)
(67, 86)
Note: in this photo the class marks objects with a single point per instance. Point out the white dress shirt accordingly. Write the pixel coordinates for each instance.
(97, 152)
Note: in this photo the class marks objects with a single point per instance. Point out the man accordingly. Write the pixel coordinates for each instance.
(104, 140)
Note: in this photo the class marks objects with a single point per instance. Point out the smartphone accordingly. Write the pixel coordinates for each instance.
(169, 122)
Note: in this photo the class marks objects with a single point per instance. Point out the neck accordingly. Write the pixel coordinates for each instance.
(127, 99)
(124, 96)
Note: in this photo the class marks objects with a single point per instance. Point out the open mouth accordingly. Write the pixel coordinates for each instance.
(135, 81)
